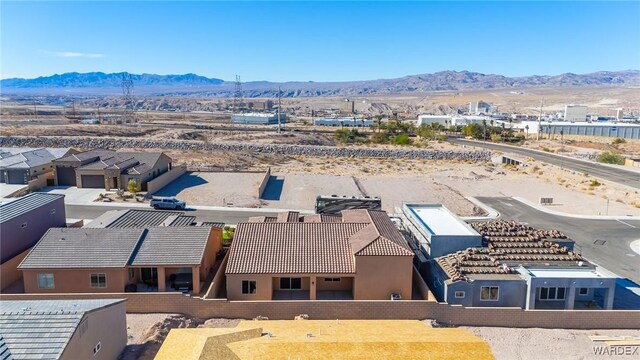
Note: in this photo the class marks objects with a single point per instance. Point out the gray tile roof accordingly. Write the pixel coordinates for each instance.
(26, 158)
(218, 225)
(63, 248)
(41, 329)
(133, 218)
(172, 246)
(26, 204)
(129, 162)
(183, 221)
(291, 244)
(71, 248)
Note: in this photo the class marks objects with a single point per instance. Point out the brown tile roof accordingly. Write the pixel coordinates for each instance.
(308, 244)
(292, 248)
(507, 246)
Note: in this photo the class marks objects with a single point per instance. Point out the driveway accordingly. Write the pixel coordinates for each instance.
(75, 196)
(8, 189)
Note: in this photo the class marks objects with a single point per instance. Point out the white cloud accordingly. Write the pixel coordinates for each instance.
(68, 54)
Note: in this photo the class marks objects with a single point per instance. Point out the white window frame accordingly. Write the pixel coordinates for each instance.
(97, 275)
(459, 294)
(555, 295)
(585, 293)
(490, 287)
(46, 275)
(255, 287)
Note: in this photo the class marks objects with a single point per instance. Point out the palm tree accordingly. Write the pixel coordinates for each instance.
(526, 129)
(484, 133)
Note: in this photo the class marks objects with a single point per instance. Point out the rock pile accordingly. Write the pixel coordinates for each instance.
(187, 145)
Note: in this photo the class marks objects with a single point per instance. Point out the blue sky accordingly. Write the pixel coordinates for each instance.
(318, 41)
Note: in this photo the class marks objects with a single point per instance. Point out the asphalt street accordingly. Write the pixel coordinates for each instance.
(226, 216)
(613, 252)
(621, 176)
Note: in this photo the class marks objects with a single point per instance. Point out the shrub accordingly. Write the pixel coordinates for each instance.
(610, 158)
(546, 149)
(496, 138)
(618, 141)
(132, 186)
(595, 182)
(441, 137)
(402, 139)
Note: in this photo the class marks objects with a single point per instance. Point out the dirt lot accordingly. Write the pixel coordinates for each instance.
(535, 344)
(216, 188)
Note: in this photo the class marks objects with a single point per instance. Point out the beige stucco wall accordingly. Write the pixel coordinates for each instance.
(377, 277)
(76, 280)
(9, 272)
(107, 326)
(345, 283)
(213, 246)
(264, 288)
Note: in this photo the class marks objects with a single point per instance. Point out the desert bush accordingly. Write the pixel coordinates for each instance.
(610, 158)
(595, 182)
(618, 141)
(496, 138)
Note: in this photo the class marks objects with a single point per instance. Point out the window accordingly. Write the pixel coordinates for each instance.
(552, 293)
(45, 281)
(248, 286)
(584, 291)
(132, 273)
(290, 283)
(489, 293)
(459, 294)
(332, 279)
(97, 348)
(98, 280)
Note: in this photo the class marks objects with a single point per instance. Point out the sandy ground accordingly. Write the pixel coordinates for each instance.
(580, 146)
(216, 189)
(535, 344)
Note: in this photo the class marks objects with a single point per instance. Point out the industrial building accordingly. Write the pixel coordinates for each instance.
(480, 108)
(444, 120)
(435, 231)
(63, 329)
(575, 113)
(604, 129)
(257, 118)
(343, 122)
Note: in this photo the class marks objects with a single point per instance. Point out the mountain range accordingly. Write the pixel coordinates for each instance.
(194, 85)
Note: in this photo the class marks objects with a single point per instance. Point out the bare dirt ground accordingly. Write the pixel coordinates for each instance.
(146, 332)
(535, 344)
(578, 146)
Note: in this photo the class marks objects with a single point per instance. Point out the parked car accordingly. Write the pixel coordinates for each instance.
(167, 203)
(183, 281)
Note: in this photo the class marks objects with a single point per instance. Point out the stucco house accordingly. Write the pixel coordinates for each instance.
(359, 255)
(91, 260)
(109, 169)
(21, 165)
(521, 267)
(63, 329)
(22, 223)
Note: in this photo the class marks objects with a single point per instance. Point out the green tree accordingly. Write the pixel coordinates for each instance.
(610, 158)
(132, 186)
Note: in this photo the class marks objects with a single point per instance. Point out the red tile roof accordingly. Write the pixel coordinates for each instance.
(308, 244)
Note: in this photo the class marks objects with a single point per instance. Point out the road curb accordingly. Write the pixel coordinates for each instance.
(492, 213)
(575, 216)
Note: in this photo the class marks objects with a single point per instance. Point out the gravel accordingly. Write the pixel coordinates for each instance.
(187, 145)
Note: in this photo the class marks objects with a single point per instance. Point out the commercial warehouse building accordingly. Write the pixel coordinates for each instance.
(343, 122)
(604, 129)
(258, 118)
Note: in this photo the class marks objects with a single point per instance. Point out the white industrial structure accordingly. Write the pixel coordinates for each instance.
(256, 118)
(480, 107)
(575, 113)
(605, 129)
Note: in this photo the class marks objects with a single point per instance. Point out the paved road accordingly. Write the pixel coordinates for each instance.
(621, 176)
(615, 254)
(226, 216)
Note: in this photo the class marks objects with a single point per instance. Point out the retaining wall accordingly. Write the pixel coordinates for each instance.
(374, 309)
(190, 145)
(264, 182)
(165, 179)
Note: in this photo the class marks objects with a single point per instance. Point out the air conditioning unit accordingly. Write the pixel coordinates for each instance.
(396, 297)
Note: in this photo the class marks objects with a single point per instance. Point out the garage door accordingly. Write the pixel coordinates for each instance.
(66, 176)
(92, 181)
(16, 177)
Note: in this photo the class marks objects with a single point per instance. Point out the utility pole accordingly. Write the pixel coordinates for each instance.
(127, 98)
(278, 109)
(35, 110)
(237, 96)
(540, 119)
